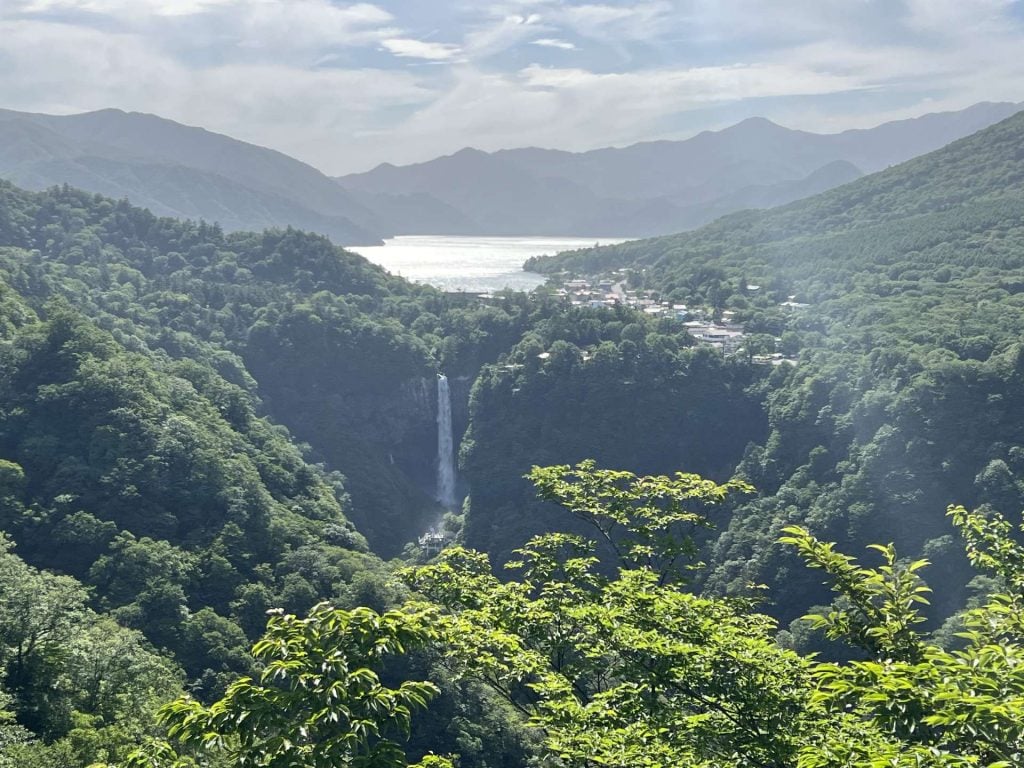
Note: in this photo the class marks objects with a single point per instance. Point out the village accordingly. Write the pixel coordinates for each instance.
(723, 333)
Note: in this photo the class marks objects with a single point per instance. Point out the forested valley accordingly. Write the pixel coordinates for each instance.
(218, 454)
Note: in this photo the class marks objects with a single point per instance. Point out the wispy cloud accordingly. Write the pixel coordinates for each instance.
(500, 34)
(554, 42)
(420, 49)
(206, 26)
(632, 21)
(680, 87)
(342, 84)
(106, 7)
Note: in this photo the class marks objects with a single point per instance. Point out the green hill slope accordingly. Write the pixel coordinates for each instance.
(178, 170)
(906, 396)
(912, 208)
(190, 424)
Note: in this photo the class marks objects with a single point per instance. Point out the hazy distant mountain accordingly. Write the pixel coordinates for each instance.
(178, 170)
(646, 189)
(959, 206)
(653, 187)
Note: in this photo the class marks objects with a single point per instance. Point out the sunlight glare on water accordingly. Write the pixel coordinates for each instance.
(469, 263)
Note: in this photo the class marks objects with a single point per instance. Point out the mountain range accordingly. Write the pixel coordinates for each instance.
(656, 187)
(645, 189)
(916, 209)
(180, 171)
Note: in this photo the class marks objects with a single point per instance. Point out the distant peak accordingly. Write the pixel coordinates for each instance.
(469, 152)
(121, 114)
(757, 120)
(754, 123)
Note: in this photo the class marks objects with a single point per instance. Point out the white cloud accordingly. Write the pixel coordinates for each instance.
(307, 76)
(955, 18)
(304, 24)
(111, 7)
(554, 42)
(293, 26)
(635, 21)
(420, 49)
(501, 34)
(653, 93)
(307, 112)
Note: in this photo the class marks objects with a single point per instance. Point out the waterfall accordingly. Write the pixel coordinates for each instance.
(445, 445)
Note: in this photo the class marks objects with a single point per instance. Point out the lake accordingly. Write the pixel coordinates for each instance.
(468, 263)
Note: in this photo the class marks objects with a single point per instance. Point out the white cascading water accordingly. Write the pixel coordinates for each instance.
(445, 445)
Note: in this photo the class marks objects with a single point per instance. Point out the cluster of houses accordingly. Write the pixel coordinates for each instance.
(583, 293)
(725, 335)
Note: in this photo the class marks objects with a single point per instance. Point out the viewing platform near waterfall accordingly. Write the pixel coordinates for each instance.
(432, 542)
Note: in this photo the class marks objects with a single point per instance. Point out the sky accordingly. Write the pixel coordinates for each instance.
(345, 86)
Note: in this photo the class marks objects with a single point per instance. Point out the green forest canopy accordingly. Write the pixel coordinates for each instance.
(196, 428)
(635, 670)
